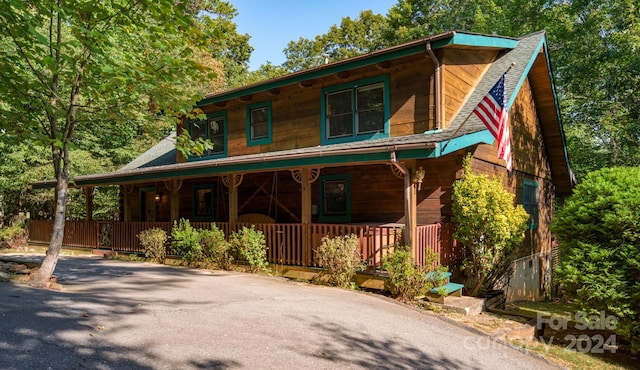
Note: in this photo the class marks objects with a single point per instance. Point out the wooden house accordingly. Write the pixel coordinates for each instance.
(368, 145)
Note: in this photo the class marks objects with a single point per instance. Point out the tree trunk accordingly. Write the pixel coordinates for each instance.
(42, 278)
(475, 290)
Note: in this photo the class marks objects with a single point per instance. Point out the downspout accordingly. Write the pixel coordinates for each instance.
(438, 82)
(407, 198)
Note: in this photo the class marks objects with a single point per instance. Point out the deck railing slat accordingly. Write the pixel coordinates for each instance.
(285, 241)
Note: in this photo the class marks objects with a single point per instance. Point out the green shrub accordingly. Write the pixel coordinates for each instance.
(154, 242)
(406, 279)
(14, 236)
(185, 241)
(215, 248)
(598, 231)
(250, 245)
(339, 259)
(488, 226)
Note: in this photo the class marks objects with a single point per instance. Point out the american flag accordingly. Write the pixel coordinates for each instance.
(492, 111)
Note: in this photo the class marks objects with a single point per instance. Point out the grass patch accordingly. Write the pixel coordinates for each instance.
(532, 309)
(568, 347)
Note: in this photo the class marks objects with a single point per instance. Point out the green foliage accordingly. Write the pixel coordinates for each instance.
(406, 279)
(352, 37)
(488, 226)
(14, 236)
(185, 241)
(593, 45)
(599, 236)
(265, 72)
(95, 70)
(339, 259)
(215, 248)
(228, 46)
(250, 245)
(154, 242)
(187, 146)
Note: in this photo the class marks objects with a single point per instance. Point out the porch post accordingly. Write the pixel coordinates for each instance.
(126, 191)
(233, 199)
(174, 198)
(306, 216)
(407, 210)
(413, 212)
(88, 196)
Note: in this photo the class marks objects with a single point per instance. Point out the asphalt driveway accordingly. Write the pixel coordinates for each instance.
(128, 315)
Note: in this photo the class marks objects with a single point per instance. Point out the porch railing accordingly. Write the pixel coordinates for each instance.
(289, 244)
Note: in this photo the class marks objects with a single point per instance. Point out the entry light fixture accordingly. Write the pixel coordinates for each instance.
(418, 177)
(158, 197)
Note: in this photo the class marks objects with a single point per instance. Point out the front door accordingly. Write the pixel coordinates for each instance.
(149, 205)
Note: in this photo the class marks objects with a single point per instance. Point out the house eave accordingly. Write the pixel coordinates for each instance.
(317, 157)
(448, 39)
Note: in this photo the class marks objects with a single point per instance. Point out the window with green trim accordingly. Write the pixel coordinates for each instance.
(356, 111)
(259, 123)
(214, 128)
(335, 198)
(203, 203)
(531, 202)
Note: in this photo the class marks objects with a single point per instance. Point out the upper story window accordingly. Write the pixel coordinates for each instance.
(355, 111)
(530, 202)
(214, 128)
(259, 123)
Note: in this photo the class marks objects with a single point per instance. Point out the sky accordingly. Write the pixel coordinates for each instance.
(273, 23)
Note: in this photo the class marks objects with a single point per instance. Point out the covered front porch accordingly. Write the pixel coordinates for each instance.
(384, 194)
(288, 244)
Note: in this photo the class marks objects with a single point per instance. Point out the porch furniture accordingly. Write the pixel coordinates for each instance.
(255, 218)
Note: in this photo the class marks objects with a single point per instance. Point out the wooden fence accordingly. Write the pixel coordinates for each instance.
(288, 244)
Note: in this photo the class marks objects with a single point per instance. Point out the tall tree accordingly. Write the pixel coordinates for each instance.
(66, 64)
(229, 47)
(413, 19)
(352, 37)
(598, 69)
(265, 72)
(594, 49)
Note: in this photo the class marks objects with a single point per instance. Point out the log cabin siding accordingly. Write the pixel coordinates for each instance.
(434, 198)
(295, 110)
(530, 162)
(462, 70)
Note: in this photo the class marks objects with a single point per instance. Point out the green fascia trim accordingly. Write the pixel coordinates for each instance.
(465, 39)
(250, 107)
(223, 115)
(352, 86)
(268, 166)
(543, 44)
(453, 145)
(194, 206)
(331, 218)
(314, 74)
(524, 75)
(465, 141)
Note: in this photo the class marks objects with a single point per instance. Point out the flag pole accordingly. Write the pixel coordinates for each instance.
(469, 116)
